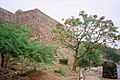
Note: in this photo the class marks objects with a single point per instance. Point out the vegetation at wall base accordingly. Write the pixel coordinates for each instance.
(111, 54)
(15, 44)
(63, 61)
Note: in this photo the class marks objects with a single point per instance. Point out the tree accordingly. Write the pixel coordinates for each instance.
(111, 54)
(88, 29)
(91, 59)
(14, 44)
(13, 40)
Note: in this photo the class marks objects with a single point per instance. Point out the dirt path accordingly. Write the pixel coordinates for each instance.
(53, 76)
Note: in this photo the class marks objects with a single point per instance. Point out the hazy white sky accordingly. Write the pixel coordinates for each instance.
(59, 9)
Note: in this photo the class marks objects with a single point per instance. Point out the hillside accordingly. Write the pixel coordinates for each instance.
(45, 29)
(42, 26)
(40, 23)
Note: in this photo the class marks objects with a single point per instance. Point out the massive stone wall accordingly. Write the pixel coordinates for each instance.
(40, 23)
(6, 15)
(34, 16)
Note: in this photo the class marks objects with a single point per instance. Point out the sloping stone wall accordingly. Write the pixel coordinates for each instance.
(6, 15)
(42, 26)
(40, 23)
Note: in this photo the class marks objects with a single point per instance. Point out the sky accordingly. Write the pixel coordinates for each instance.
(59, 9)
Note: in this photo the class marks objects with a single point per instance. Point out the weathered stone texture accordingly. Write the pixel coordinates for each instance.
(6, 15)
(40, 23)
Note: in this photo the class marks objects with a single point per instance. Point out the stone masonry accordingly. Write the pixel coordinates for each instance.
(40, 23)
(6, 15)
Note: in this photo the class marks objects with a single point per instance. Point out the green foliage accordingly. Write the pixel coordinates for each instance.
(110, 54)
(61, 37)
(13, 39)
(68, 34)
(14, 43)
(91, 58)
(63, 61)
(55, 30)
(89, 30)
(60, 70)
(41, 52)
(65, 35)
(81, 49)
(94, 57)
(83, 62)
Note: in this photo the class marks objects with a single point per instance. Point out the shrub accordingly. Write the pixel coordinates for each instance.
(63, 61)
(14, 43)
(110, 54)
(60, 70)
(55, 30)
(82, 62)
(13, 39)
(41, 52)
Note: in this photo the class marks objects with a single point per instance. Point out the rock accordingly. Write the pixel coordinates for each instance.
(7, 74)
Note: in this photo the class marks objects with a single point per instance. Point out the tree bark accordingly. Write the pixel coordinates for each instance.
(1, 59)
(76, 56)
(74, 65)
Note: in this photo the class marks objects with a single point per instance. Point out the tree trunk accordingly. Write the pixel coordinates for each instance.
(89, 63)
(1, 59)
(76, 56)
(74, 65)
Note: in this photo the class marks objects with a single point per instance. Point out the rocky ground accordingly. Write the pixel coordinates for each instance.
(6, 74)
(90, 74)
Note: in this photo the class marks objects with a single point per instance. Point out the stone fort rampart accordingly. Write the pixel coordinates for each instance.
(40, 23)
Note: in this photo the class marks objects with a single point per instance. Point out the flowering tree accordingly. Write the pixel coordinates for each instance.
(88, 29)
